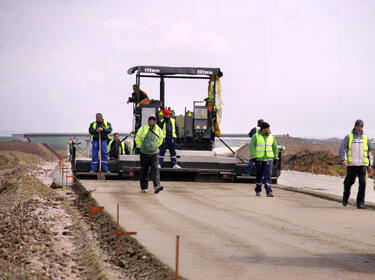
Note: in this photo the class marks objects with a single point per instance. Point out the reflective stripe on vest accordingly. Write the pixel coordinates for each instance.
(96, 124)
(173, 122)
(365, 149)
(264, 148)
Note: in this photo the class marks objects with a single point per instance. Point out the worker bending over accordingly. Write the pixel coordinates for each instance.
(263, 150)
(171, 133)
(356, 154)
(116, 147)
(138, 96)
(148, 140)
(100, 128)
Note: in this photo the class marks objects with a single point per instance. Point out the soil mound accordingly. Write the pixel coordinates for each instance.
(38, 149)
(320, 162)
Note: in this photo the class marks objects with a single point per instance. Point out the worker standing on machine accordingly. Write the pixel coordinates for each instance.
(171, 133)
(100, 128)
(139, 96)
(148, 140)
(116, 147)
(263, 150)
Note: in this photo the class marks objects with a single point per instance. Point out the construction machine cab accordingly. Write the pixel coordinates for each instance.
(200, 125)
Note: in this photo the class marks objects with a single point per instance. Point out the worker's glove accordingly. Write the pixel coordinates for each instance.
(253, 160)
(137, 151)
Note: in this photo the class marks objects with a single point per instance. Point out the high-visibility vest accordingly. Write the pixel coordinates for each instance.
(122, 146)
(173, 122)
(264, 148)
(365, 149)
(142, 132)
(96, 124)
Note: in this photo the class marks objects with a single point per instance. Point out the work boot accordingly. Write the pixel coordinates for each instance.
(159, 166)
(270, 194)
(344, 202)
(257, 193)
(361, 206)
(176, 166)
(158, 189)
(144, 190)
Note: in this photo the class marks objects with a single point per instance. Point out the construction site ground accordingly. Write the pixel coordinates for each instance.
(226, 231)
(229, 233)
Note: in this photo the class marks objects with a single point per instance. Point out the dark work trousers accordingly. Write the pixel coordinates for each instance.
(351, 174)
(149, 161)
(263, 174)
(168, 143)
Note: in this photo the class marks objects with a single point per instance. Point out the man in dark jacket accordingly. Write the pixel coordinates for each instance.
(102, 128)
(356, 155)
(255, 129)
(138, 96)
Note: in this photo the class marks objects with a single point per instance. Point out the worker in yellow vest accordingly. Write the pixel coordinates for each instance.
(171, 135)
(100, 128)
(356, 155)
(263, 150)
(116, 147)
(148, 139)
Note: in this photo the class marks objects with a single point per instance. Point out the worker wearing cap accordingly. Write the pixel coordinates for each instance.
(139, 96)
(171, 133)
(263, 150)
(116, 147)
(102, 128)
(148, 140)
(356, 155)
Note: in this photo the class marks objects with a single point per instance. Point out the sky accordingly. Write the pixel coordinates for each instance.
(306, 67)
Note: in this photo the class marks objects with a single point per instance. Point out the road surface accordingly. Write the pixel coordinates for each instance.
(229, 233)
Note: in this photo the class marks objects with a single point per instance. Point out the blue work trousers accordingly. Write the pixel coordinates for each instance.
(168, 143)
(95, 155)
(263, 175)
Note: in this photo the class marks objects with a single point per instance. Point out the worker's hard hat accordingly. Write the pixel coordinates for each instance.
(152, 117)
(166, 112)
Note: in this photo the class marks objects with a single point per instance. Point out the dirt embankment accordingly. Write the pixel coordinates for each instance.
(45, 233)
(41, 150)
(319, 162)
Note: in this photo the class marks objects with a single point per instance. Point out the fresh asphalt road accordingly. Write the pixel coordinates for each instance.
(228, 233)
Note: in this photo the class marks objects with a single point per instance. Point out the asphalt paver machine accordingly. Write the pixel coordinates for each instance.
(199, 127)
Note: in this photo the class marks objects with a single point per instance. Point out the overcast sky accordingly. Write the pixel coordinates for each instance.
(306, 67)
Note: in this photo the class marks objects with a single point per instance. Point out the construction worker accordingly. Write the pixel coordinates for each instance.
(171, 133)
(263, 150)
(116, 147)
(356, 155)
(251, 133)
(139, 97)
(102, 128)
(148, 140)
